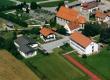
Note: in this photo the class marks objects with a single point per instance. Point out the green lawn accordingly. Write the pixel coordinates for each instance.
(54, 67)
(39, 0)
(5, 3)
(99, 64)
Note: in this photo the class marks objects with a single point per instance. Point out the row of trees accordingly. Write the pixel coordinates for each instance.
(95, 29)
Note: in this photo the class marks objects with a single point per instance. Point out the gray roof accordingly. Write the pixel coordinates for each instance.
(24, 40)
(24, 43)
(10, 24)
(26, 49)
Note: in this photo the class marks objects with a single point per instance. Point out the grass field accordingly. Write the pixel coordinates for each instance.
(12, 69)
(55, 67)
(6, 3)
(39, 0)
(99, 64)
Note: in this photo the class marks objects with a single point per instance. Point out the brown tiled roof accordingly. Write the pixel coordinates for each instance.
(81, 19)
(90, 5)
(73, 25)
(67, 13)
(100, 14)
(46, 31)
(80, 39)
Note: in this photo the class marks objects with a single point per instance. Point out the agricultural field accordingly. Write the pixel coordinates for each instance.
(99, 64)
(54, 67)
(11, 68)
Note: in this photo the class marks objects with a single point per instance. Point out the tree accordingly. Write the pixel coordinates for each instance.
(62, 30)
(2, 42)
(60, 4)
(92, 29)
(34, 5)
(105, 35)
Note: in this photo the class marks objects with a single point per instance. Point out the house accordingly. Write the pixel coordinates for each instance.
(86, 1)
(26, 46)
(102, 17)
(66, 15)
(47, 34)
(76, 25)
(9, 26)
(83, 44)
(90, 7)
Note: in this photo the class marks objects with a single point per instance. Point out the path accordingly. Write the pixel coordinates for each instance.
(80, 66)
(52, 45)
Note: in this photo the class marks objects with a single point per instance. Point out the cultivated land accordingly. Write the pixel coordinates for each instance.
(99, 64)
(54, 67)
(12, 69)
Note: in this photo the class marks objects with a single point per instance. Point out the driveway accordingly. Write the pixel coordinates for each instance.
(52, 45)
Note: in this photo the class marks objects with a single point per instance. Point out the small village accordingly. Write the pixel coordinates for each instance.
(67, 37)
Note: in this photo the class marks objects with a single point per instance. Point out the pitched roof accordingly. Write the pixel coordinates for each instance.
(73, 25)
(46, 31)
(67, 13)
(81, 19)
(80, 39)
(24, 40)
(100, 14)
(90, 5)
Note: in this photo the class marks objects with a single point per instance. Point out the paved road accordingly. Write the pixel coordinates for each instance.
(80, 66)
(52, 45)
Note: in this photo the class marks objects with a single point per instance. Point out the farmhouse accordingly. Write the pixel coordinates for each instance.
(76, 25)
(47, 34)
(26, 46)
(83, 44)
(102, 17)
(90, 7)
(66, 15)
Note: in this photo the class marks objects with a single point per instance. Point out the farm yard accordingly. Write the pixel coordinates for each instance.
(50, 66)
(11, 68)
(99, 64)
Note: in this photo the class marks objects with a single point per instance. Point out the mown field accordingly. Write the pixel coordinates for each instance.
(99, 64)
(12, 69)
(54, 67)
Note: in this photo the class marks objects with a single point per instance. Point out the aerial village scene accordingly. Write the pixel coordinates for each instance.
(54, 39)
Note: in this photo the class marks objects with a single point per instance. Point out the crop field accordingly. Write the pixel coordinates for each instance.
(12, 69)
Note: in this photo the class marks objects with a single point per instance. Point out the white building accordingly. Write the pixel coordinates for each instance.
(76, 25)
(47, 34)
(90, 7)
(86, 1)
(66, 15)
(26, 46)
(102, 17)
(83, 44)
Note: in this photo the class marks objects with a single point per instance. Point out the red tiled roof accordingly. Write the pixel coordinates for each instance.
(81, 19)
(73, 25)
(80, 39)
(46, 31)
(100, 14)
(67, 13)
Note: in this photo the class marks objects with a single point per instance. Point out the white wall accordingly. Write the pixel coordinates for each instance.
(83, 1)
(61, 22)
(87, 50)
(71, 31)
